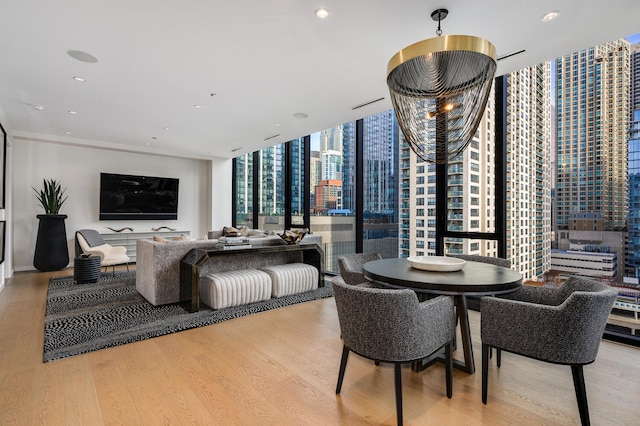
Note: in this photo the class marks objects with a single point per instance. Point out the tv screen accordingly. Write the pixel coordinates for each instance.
(129, 197)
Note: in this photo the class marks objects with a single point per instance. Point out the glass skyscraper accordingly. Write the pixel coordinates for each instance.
(633, 259)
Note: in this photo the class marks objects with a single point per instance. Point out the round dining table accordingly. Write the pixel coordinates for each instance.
(474, 279)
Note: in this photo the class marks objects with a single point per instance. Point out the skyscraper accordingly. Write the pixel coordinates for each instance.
(471, 183)
(528, 170)
(592, 95)
(271, 190)
(331, 165)
(380, 184)
(380, 142)
(633, 260)
(331, 139)
(592, 116)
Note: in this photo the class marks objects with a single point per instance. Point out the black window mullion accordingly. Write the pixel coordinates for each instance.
(359, 184)
(288, 179)
(255, 188)
(500, 234)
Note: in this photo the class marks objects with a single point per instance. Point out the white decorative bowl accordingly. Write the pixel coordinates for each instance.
(436, 263)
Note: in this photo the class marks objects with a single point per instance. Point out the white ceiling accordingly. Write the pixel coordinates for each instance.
(264, 60)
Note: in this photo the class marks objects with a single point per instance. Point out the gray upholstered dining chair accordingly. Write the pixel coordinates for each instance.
(484, 259)
(350, 266)
(473, 302)
(558, 325)
(392, 326)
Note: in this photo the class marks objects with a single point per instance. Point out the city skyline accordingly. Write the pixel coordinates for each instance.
(531, 172)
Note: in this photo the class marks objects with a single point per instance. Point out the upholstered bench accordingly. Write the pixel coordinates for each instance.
(234, 288)
(291, 278)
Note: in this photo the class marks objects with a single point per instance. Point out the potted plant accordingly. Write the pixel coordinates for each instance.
(52, 252)
(51, 197)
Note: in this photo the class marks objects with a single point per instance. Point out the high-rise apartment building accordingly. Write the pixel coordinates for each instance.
(592, 120)
(380, 183)
(528, 170)
(244, 190)
(471, 183)
(331, 139)
(592, 88)
(633, 258)
(315, 173)
(271, 190)
(331, 165)
(470, 197)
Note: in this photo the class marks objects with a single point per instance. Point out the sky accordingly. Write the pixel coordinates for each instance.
(634, 38)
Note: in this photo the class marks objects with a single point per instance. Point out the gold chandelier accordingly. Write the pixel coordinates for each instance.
(439, 88)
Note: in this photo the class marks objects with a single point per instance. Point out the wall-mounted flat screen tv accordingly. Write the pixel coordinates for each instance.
(129, 197)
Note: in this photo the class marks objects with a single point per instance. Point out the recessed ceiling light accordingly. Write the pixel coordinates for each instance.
(67, 132)
(147, 144)
(301, 115)
(165, 128)
(82, 56)
(322, 13)
(38, 107)
(80, 79)
(550, 16)
(197, 106)
(72, 112)
(277, 125)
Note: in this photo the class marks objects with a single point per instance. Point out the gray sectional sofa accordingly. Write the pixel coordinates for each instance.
(158, 263)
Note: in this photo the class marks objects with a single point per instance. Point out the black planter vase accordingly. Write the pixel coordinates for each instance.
(52, 253)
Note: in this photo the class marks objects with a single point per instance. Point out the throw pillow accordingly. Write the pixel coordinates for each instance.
(293, 236)
(183, 238)
(229, 231)
(257, 233)
(160, 239)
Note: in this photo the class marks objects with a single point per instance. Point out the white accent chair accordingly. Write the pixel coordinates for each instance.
(89, 241)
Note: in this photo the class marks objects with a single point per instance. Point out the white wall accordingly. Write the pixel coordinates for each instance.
(220, 201)
(204, 184)
(6, 213)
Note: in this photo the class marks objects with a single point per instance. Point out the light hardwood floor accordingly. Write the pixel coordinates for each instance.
(279, 368)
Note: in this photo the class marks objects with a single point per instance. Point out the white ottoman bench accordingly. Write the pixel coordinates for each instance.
(234, 288)
(292, 278)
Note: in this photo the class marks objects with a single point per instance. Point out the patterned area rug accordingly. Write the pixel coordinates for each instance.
(83, 318)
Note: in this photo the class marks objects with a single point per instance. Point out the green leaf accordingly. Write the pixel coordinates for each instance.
(51, 197)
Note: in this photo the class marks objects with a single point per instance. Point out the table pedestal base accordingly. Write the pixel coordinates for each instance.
(463, 319)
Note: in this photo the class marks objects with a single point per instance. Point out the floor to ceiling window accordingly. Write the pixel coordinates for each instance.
(243, 181)
(332, 188)
(381, 149)
(271, 188)
(540, 144)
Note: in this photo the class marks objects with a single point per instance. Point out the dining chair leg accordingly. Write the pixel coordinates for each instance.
(485, 371)
(343, 366)
(498, 357)
(581, 393)
(398, 386)
(448, 359)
